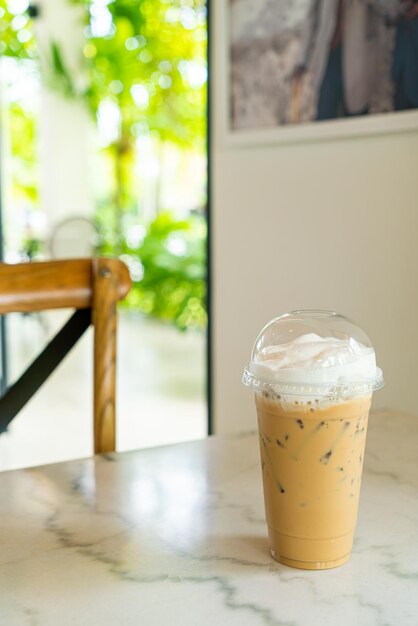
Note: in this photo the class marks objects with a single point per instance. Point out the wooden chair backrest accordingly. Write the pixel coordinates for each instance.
(80, 283)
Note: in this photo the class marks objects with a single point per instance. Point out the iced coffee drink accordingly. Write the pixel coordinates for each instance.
(313, 375)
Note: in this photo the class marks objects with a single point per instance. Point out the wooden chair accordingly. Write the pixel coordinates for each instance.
(93, 287)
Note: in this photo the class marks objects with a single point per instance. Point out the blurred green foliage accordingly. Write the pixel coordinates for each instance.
(23, 148)
(140, 55)
(167, 264)
(144, 60)
(17, 41)
(16, 35)
(147, 58)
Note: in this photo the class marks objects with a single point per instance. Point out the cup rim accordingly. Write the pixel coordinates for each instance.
(326, 390)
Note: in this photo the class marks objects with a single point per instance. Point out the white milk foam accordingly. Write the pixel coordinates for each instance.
(311, 359)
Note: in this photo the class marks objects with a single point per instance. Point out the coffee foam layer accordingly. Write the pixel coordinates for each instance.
(306, 407)
(312, 359)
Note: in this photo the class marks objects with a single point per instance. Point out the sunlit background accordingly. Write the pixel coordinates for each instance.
(103, 151)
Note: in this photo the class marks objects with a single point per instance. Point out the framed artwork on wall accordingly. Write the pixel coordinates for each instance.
(298, 70)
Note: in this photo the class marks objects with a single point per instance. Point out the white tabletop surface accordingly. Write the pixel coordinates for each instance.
(177, 536)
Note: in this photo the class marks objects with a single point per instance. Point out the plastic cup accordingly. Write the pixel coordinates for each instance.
(312, 418)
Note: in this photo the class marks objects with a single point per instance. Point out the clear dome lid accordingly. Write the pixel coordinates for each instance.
(313, 353)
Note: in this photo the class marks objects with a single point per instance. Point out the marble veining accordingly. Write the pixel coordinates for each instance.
(177, 535)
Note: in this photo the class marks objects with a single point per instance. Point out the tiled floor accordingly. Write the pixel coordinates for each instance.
(161, 391)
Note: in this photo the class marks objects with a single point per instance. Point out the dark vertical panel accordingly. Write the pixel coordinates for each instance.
(209, 307)
(3, 345)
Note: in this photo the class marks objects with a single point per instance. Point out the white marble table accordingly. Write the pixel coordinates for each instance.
(176, 535)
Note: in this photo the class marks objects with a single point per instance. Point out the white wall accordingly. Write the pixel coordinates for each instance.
(65, 133)
(330, 224)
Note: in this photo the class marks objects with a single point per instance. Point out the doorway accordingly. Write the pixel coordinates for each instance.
(104, 151)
